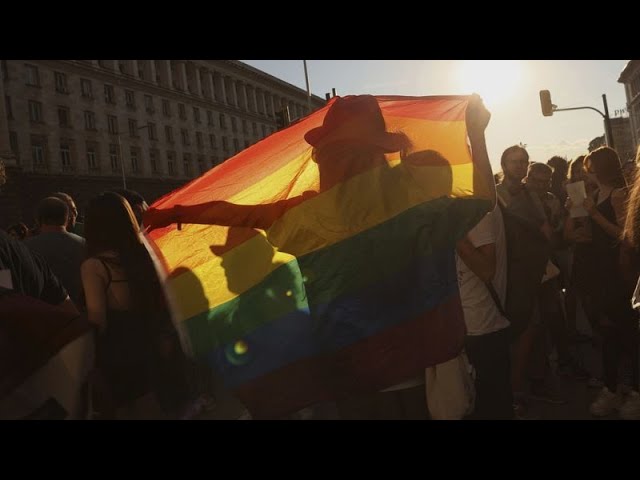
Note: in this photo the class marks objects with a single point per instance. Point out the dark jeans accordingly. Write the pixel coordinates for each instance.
(490, 356)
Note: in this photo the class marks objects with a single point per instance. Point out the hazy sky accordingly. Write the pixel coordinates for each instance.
(509, 87)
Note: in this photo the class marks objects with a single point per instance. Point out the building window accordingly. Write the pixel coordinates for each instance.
(199, 139)
(246, 144)
(13, 141)
(168, 133)
(153, 133)
(148, 103)
(212, 140)
(214, 161)
(35, 111)
(186, 161)
(112, 122)
(201, 166)
(85, 88)
(37, 151)
(225, 145)
(223, 122)
(89, 120)
(114, 157)
(92, 159)
(171, 163)
(33, 75)
(7, 104)
(234, 128)
(183, 111)
(63, 117)
(65, 157)
(196, 114)
(185, 136)
(236, 145)
(245, 128)
(109, 96)
(255, 128)
(130, 99)
(133, 128)
(153, 159)
(61, 82)
(134, 160)
(264, 131)
(166, 108)
(209, 118)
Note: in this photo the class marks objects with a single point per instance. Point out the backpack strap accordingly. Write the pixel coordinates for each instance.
(496, 299)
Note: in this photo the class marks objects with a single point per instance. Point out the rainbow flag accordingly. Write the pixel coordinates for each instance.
(304, 269)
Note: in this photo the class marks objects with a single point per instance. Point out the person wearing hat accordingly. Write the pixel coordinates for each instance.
(352, 139)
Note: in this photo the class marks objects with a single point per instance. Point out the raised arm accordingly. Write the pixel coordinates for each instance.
(223, 213)
(477, 119)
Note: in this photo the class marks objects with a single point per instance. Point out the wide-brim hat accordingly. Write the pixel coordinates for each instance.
(357, 119)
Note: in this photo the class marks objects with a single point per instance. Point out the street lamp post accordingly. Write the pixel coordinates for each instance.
(549, 108)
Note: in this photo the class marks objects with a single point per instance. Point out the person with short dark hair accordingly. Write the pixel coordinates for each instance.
(73, 226)
(63, 251)
(27, 273)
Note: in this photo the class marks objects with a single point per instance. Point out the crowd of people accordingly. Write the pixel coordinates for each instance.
(525, 272)
(107, 275)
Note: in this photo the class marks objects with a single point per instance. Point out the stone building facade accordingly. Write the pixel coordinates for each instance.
(83, 126)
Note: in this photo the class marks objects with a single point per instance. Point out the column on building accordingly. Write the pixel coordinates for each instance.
(131, 68)
(264, 102)
(181, 75)
(193, 79)
(254, 97)
(245, 103)
(166, 79)
(234, 92)
(206, 82)
(222, 90)
(150, 71)
(273, 103)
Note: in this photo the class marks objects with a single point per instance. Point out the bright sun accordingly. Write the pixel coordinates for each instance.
(496, 81)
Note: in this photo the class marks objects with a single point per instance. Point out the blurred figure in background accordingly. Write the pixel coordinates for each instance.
(19, 231)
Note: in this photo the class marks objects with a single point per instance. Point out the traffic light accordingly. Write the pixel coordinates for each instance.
(282, 118)
(545, 103)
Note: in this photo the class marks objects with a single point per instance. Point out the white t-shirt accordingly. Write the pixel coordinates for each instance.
(481, 314)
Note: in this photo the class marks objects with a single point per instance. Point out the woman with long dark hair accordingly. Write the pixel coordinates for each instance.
(138, 354)
(610, 292)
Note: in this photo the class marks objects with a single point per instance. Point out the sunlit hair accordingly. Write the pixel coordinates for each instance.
(576, 169)
(605, 164)
(631, 232)
(511, 149)
(539, 167)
